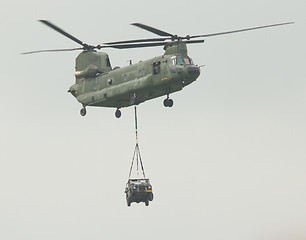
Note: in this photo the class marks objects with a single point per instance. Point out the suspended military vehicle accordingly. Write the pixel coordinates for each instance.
(138, 189)
(97, 84)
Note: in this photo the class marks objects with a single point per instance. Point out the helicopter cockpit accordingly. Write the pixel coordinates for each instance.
(184, 64)
(178, 60)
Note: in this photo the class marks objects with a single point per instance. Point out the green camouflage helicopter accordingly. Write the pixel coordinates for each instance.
(98, 84)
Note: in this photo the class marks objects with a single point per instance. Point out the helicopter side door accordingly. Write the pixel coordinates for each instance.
(159, 71)
(156, 68)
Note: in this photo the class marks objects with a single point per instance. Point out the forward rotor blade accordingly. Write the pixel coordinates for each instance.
(240, 30)
(153, 30)
(140, 45)
(49, 24)
(139, 40)
(54, 50)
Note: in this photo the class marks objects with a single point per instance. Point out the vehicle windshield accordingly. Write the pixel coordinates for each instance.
(178, 60)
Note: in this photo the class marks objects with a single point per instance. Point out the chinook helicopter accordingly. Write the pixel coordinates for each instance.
(98, 84)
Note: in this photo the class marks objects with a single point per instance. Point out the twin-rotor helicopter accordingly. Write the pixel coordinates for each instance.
(98, 84)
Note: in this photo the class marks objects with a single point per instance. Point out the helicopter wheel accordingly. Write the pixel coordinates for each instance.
(118, 113)
(83, 111)
(168, 102)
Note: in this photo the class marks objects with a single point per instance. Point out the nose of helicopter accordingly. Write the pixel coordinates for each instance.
(189, 74)
(185, 74)
(193, 70)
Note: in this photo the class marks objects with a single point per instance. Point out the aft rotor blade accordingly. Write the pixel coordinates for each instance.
(153, 30)
(51, 25)
(194, 41)
(54, 50)
(240, 30)
(137, 45)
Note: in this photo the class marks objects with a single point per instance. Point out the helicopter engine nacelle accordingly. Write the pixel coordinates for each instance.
(90, 72)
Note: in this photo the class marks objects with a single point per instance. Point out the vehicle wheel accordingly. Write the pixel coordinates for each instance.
(151, 197)
(83, 112)
(118, 113)
(147, 202)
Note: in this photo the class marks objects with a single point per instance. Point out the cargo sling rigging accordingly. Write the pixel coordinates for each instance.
(136, 155)
(138, 189)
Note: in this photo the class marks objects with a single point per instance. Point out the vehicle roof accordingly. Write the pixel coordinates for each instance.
(139, 181)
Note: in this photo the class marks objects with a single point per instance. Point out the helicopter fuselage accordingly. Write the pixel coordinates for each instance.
(145, 80)
(97, 84)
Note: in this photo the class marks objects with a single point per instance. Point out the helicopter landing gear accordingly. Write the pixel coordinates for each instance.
(118, 113)
(168, 102)
(83, 111)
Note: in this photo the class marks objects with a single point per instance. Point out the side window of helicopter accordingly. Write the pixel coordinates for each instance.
(125, 77)
(156, 67)
(95, 87)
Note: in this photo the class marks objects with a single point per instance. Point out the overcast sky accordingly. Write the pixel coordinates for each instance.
(227, 161)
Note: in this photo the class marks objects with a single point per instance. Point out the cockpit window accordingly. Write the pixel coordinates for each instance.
(178, 60)
(186, 61)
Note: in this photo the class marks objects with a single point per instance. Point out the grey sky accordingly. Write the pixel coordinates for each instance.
(226, 162)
